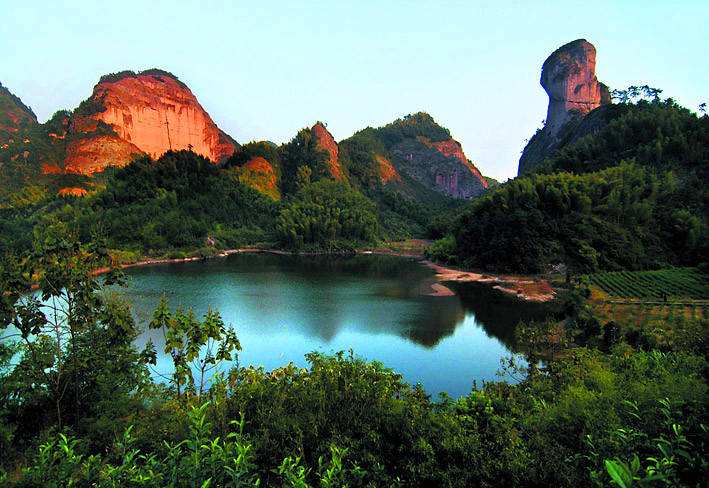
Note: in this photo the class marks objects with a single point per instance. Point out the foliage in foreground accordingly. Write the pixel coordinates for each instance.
(583, 421)
(78, 408)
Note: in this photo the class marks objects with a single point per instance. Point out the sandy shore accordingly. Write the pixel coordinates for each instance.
(523, 287)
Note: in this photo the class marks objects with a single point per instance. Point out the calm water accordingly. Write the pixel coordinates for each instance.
(283, 307)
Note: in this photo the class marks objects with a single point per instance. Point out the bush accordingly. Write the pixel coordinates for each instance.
(443, 250)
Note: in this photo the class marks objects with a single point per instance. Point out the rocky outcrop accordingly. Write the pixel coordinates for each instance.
(387, 171)
(327, 143)
(569, 78)
(452, 149)
(72, 191)
(413, 156)
(93, 154)
(149, 112)
(259, 174)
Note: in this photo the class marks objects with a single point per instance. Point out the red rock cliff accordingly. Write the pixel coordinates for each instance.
(328, 144)
(452, 149)
(152, 112)
(569, 78)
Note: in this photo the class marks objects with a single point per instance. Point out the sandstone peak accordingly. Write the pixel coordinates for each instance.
(147, 112)
(569, 78)
(326, 142)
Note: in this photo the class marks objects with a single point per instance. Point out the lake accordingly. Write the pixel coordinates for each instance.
(283, 307)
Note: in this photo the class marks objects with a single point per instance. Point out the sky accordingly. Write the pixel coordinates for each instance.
(264, 69)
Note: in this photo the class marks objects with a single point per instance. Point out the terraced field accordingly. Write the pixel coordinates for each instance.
(664, 284)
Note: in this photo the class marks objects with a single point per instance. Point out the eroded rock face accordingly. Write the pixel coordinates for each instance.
(327, 143)
(387, 171)
(151, 111)
(72, 191)
(569, 78)
(93, 154)
(453, 149)
(413, 156)
(432, 165)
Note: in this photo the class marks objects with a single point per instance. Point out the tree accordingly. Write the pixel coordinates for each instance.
(75, 340)
(326, 214)
(193, 345)
(302, 151)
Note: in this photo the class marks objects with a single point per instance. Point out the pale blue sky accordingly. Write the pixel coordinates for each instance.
(265, 69)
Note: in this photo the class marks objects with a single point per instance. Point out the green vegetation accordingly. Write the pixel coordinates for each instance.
(628, 196)
(302, 152)
(90, 106)
(327, 215)
(406, 207)
(79, 408)
(411, 126)
(12, 104)
(177, 202)
(660, 284)
(181, 203)
(658, 134)
(266, 150)
(114, 77)
(624, 217)
(597, 399)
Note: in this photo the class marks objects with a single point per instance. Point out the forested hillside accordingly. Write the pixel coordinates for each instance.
(629, 195)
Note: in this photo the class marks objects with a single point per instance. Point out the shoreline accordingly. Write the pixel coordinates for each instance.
(526, 288)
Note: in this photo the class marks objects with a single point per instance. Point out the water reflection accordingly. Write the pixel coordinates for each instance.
(285, 306)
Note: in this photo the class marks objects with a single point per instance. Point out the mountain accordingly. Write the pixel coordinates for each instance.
(25, 145)
(149, 112)
(406, 173)
(412, 153)
(133, 114)
(602, 187)
(13, 114)
(569, 78)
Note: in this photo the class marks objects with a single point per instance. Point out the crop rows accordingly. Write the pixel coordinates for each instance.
(660, 284)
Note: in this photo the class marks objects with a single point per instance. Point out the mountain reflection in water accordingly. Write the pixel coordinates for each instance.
(285, 306)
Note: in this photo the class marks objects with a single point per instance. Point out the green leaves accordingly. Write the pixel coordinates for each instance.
(326, 212)
(621, 474)
(194, 345)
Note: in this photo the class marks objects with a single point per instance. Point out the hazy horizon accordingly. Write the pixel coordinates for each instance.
(265, 71)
